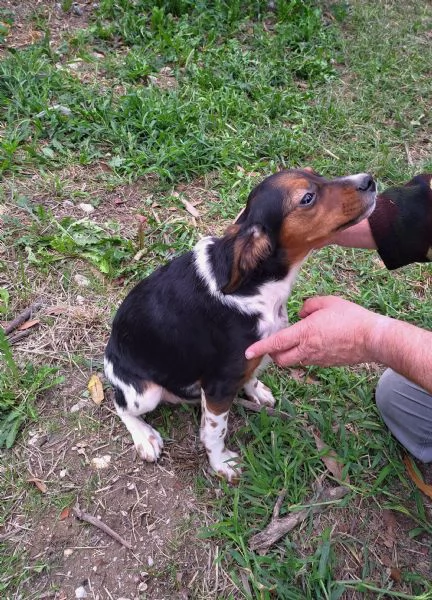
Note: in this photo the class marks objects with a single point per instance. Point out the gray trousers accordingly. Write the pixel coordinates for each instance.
(407, 411)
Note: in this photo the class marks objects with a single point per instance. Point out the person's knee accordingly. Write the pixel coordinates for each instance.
(406, 409)
(385, 392)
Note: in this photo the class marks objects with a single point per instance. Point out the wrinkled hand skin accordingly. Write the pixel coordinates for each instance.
(332, 332)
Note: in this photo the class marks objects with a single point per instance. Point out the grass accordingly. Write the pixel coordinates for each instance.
(85, 117)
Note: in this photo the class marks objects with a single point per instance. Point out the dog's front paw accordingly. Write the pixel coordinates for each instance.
(226, 465)
(256, 391)
(148, 444)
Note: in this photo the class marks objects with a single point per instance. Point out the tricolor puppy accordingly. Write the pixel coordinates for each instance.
(182, 332)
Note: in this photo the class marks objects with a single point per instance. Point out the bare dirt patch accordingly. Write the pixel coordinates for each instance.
(26, 28)
(153, 507)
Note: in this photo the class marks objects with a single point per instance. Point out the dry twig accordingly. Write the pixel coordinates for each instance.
(24, 316)
(278, 527)
(20, 335)
(88, 518)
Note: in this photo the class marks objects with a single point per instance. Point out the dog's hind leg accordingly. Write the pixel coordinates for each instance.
(129, 406)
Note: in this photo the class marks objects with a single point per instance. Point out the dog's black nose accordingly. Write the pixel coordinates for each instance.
(367, 184)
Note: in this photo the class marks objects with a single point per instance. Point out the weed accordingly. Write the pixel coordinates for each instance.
(19, 389)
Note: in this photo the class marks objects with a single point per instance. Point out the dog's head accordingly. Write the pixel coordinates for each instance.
(292, 212)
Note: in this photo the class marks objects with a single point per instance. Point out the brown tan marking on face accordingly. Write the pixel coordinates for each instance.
(337, 203)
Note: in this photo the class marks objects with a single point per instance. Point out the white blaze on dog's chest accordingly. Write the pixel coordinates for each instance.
(269, 302)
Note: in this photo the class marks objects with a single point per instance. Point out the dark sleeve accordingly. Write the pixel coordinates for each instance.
(401, 223)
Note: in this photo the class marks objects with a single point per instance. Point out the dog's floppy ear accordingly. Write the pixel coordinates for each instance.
(251, 247)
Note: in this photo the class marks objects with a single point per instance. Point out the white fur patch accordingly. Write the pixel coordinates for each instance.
(259, 393)
(136, 403)
(148, 442)
(269, 303)
(212, 434)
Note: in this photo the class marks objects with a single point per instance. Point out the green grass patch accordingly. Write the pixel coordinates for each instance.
(344, 87)
(19, 389)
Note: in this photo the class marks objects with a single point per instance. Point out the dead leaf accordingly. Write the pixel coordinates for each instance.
(64, 513)
(188, 205)
(330, 459)
(395, 574)
(96, 390)
(28, 324)
(297, 374)
(389, 537)
(39, 484)
(417, 479)
(56, 310)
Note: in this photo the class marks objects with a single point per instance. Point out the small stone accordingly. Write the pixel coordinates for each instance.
(78, 406)
(87, 208)
(68, 204)
(63, 473)
(81, 280)
(101, 462)
(68, 552)
(80, 300)
(150, 561)
(142, 586)
(80, 592)
(77, 10)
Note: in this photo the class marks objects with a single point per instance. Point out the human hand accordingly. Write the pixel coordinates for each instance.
(332, 332)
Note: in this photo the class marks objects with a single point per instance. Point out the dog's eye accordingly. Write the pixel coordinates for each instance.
(308, 199)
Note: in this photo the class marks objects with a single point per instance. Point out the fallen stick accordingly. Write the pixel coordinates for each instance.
(20, 335)
(24, 316)
(88, 518)
(278, 527)
(253, 406)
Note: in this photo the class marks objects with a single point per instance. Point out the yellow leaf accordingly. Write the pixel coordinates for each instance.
(424, 487)
(95, 388)
(39, 484)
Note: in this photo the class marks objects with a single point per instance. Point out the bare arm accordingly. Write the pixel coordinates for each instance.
(405, 348)
(357, 236)
(335, 332)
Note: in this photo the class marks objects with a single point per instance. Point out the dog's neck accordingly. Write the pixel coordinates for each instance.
(273, 280)
(221, 256)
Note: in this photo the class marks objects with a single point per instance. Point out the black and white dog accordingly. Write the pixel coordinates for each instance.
(182, 332)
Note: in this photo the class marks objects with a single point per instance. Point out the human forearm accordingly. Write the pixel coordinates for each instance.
(357, 236)
(403, 347)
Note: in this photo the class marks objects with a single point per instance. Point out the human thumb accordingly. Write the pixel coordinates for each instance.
(315, 303)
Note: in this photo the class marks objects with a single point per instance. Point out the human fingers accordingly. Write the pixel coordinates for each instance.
(288, 358)
(279, 342)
